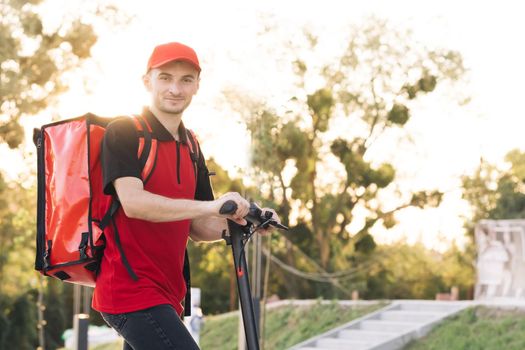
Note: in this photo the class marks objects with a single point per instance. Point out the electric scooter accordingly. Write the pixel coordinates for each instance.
(237, 237)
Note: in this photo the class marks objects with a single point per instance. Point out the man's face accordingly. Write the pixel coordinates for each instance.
(172, 86)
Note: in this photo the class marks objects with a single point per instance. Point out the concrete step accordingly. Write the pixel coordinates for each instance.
(386, 326)
(428, 307)
(366, 335)
(390, 328)
(410, 316)
(343, 344)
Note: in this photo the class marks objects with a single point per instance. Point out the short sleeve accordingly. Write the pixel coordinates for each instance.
(119, 153)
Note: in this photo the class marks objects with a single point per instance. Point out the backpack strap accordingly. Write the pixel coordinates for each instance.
(147, 155)
(193, 146)
(147, 150)
(194, 151)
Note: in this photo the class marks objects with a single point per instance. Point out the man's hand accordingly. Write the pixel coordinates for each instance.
(275, 217)
(243, 207)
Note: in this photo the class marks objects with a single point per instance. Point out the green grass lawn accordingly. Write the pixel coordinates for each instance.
(478, 328)
(285, 326)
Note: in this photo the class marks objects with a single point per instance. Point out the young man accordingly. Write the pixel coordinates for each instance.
(140, 288)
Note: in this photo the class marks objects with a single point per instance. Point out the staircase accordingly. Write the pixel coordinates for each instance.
(390, 328)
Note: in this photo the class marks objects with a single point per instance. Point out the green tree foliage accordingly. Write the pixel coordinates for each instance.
(32, 59)
(4, 322)
(17, 224)
(402, 271)
(54, 315)
(21, 315)
(335, 117)
(211, 264)
(495, 193)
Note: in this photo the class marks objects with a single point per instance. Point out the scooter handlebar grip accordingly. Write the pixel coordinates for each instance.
(229, 207)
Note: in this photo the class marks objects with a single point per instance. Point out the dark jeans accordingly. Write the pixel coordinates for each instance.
(156, 328)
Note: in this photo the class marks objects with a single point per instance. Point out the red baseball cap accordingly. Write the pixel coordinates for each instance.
(174, 51)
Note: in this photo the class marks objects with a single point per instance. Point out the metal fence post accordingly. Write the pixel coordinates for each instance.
(80, 331)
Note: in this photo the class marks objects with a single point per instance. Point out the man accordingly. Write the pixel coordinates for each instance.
(140, 287)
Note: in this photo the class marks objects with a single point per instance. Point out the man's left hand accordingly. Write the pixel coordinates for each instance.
(270, 229)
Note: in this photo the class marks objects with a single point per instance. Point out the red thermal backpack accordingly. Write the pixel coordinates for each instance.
(73, 210)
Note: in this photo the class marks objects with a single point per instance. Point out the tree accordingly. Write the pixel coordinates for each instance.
(413, 271)
(54, 315)
(17, 224)
(4, 322)
(495, 193)
(338, 113)
(22, 319)
(33, 59)
(211, 264)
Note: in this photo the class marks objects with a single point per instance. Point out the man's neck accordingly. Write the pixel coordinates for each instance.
(170, 121)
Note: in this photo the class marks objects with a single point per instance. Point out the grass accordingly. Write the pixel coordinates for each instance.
(478, 328)
(285, 326)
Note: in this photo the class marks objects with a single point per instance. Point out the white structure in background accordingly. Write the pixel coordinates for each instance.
(501, 259)
(194, 322)
(96, 335)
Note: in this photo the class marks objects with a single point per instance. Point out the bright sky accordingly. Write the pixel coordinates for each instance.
(448, 140)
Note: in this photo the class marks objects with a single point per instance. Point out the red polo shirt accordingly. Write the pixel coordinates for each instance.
(155, 251)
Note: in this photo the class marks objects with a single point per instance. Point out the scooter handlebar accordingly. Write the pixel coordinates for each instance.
(229, 207)
(254, 215)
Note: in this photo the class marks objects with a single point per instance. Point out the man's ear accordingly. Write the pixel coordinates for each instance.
(146, 79)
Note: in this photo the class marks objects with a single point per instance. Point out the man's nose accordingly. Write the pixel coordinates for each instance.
(174, 88)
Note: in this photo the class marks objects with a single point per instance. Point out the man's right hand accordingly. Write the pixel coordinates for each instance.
(243, 207)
